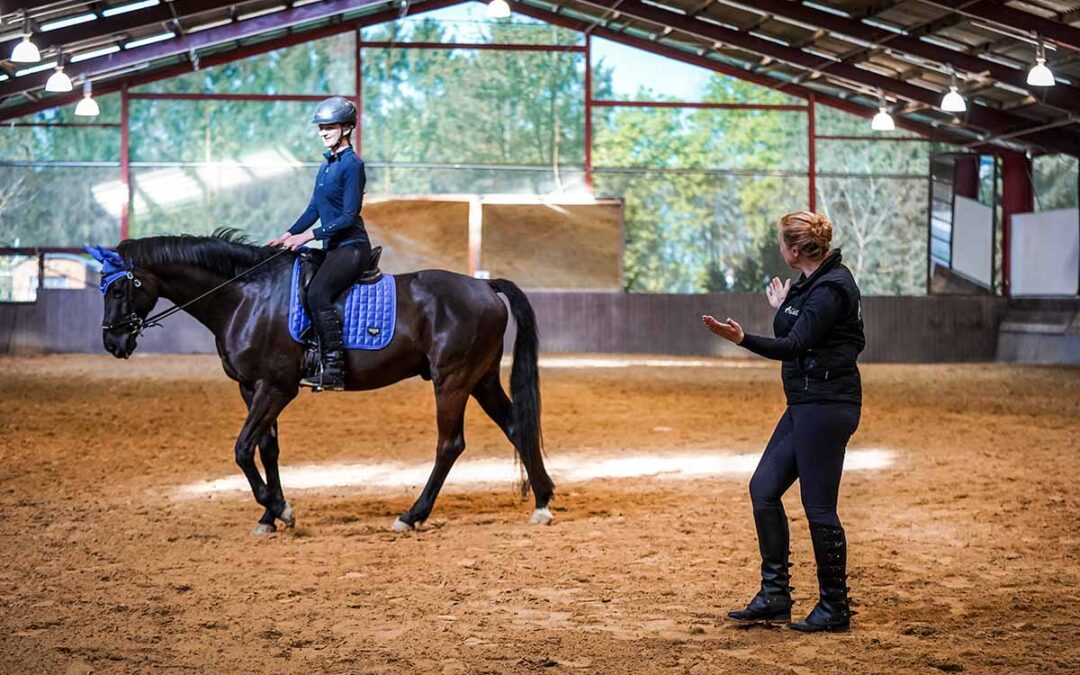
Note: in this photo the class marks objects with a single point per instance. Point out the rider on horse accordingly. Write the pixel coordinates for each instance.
(336, 201)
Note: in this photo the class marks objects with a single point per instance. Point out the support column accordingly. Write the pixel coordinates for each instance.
(476, 229)
(358, 133)
(588, 112)
(1017, 196)
(125, 163)
(811, 141)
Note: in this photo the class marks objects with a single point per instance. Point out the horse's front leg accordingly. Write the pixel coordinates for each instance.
(279, 508)
(265, 403)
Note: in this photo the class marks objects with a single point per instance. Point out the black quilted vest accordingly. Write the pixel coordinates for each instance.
(828, 372)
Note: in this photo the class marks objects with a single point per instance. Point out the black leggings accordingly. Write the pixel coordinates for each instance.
(339, 271)
(808, 444)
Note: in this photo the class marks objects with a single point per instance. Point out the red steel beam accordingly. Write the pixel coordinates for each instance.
(698, 104)
(477, 45)
(588, 112)
(189, 43)
(811, 153)
(716, 66)
(125, 162)
(220, 58)
(1061, 96)
(980, 117)
(228, 97)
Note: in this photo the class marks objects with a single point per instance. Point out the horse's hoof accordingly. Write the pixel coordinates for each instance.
(288, 516)
(401, 526)
(541, 517)
(263, 529)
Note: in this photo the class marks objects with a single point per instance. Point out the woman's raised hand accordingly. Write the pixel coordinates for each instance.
(729, 330)
(777, 292)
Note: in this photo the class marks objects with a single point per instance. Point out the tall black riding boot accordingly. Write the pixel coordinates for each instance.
(833, 611)
(773, 601)
(331, 375)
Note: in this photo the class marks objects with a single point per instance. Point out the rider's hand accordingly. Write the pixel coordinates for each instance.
(295, 241)
(729, 330)
(278, 241)
(777, 292)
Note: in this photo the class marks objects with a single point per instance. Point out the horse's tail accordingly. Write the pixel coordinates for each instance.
(525, 379)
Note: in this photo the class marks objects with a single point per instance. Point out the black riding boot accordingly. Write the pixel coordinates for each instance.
(331, 375)
(832, 612)
(773, 601)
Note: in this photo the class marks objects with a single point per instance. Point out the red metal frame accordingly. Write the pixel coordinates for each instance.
(811, 152)
(588, 113)
(827, 137)
(358, 133)
(125, 161)
(225, 97)
(483, 46)
(700, 104)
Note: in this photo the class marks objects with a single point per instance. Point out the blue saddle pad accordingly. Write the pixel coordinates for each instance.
(369, 317)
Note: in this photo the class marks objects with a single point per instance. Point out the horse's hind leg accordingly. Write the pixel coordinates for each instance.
(450, 400)
(492, 398)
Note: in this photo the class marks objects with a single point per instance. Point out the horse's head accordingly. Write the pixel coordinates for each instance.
(129, 298)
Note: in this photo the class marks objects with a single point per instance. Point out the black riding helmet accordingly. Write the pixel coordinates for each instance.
(335, 110)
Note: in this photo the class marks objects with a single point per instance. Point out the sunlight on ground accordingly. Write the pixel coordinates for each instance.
(566, 468)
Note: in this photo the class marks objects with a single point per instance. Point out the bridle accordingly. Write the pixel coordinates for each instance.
(140, 324)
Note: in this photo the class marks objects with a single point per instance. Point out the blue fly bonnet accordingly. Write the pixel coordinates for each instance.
(113, 266)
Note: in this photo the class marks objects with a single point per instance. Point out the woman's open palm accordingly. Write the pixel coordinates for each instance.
(777, 292)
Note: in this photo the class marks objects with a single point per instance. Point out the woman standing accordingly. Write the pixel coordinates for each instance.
(819, 335)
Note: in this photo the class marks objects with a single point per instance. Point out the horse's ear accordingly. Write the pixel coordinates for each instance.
(95, 252)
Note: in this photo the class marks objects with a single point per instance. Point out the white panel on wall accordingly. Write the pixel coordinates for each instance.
(973, 240)
(1044, 253)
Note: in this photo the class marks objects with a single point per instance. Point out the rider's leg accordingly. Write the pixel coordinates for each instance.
(335, 275)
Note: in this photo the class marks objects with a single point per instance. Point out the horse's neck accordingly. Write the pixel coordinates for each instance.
(216, 309)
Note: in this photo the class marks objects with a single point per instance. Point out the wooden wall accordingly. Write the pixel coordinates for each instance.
(899, 330)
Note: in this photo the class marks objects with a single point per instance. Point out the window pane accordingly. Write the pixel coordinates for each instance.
(1055, 182)
(468, 23)
(880, 223)
(683, 138)
(70, 271)
(212, 131)
(626, 73)
(405, 179)
(58, 206)
(18, 278)
(473, 107)
(325, 66)
(695, 233)
(262, 199)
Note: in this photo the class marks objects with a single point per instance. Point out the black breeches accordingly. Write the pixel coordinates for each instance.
(808, 444)
(339, 271)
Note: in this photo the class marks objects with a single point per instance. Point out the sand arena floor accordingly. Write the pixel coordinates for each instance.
(125, 543)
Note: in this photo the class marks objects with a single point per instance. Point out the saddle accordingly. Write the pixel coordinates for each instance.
(311, 259)
(367, 308)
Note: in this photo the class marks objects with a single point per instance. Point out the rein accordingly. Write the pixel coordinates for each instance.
(141, 324)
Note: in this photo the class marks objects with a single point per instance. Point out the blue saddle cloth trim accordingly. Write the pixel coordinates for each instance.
(369, 318)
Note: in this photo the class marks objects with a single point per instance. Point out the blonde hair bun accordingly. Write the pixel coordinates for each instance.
(810, 232)
(821, 230)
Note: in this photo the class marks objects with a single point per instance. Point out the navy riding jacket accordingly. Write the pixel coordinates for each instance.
(819, 336)
(336, 201)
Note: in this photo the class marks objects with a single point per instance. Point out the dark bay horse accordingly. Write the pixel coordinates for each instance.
(449, 330)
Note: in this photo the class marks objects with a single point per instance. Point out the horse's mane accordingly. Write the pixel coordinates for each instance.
(227, 251)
